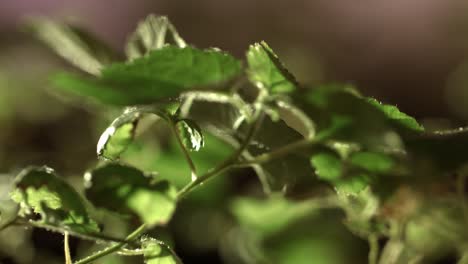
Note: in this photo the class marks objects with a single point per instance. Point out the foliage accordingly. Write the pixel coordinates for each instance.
(323, 152)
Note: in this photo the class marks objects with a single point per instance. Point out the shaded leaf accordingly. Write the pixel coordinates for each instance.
(73, 44)
(166, 72)
(151, 34)
(39, 190)
(273, 214)
(372, 161)
(125, 189)
(266, 70)
(191, 134)
(156, 252)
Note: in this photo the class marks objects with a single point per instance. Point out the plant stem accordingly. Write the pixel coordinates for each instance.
(278, 153)
(190, 162)
(373, 249)
(114, 248)
(66, 248)
(223, 166)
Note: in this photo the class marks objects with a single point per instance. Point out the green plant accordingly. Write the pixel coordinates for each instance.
(315, 151)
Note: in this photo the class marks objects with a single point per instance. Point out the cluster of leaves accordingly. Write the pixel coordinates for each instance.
(341, 152)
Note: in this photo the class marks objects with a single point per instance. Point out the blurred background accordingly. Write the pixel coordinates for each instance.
(411, 53)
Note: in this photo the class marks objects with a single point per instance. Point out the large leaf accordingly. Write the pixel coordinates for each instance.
(125, 189)
(267, 71)
(156, 252)
(73, 44)
(150, 35)
(39, 190)
(166, 72)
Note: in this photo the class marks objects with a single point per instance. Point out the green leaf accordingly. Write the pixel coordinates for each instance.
(40, 190)
(73, 44)
(125, 189)
(266, 71)
(163, 73)
(271, 215)
(372, 161)
(327, 166)
(117, 137)
(396, 115)
(191, 134)
(156, 252)
(353, 184)
(150, 35)
(120, 134)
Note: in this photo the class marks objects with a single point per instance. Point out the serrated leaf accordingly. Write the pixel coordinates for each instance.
(327, 166)
(191, 134)
(166, 72)
(117, 137)
(156, 252)
(125, 189)
(150, 35)
(73, 44)
(266, 71)
(372, 161)
(393, 113)
(40, 190)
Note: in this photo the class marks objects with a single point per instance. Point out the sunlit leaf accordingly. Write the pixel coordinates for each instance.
(163, 73)
(116, 138)
(393, 113)
(267, 71)
(73, 44)
(191, 134)
(39, 190)
(126, 189)
(156, 252)
(151, 34)
(353, 184)
(327, 166)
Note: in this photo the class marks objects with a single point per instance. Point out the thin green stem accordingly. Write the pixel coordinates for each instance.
(223, 166)
(373, 249)
(278, 153)
(66, 248)
(114, 248)
(186, 153)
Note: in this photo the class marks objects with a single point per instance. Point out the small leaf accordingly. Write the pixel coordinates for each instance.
(166, 72)
(266, 71)
(327, 166)
(393, 113)
(126, 189)
(40, 190)
(191, 134)
(353, 184)
(73, 44)
(150, 35)
(117, 137)
(156, 252)
(372, 161)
